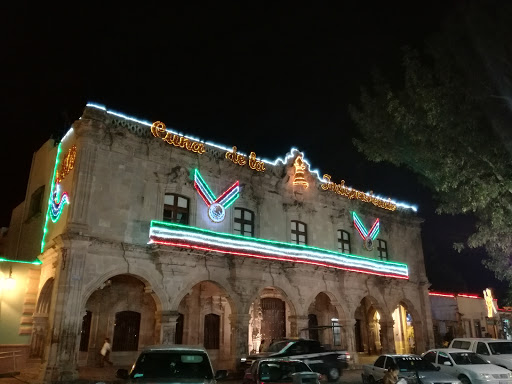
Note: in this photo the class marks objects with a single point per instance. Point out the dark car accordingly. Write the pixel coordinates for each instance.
(279, 371)
(311, 352)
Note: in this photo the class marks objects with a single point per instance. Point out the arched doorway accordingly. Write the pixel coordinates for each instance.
(367, 330)
(403, 330)
(40, 316)
(125, 312)
(205, 319)
(328, 328)
(271, 319)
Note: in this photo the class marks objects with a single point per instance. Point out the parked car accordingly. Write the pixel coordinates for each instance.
(412, 368)
(280, 371)
(327, 362)
(497, 351)
(172, 364)
(467, 366)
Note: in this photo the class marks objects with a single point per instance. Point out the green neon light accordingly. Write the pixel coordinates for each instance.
(212, 195)
(45, 229)
(35, 262)
(155, 223)
(360, 223)
(231, 201)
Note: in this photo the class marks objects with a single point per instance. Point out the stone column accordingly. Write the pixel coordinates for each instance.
(240, 336)
(168, 326)
(65, 324)
(348, 337)
(298, 325)
(387, 336)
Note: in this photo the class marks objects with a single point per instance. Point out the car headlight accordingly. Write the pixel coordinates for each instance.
(485, 376)
(243, 359)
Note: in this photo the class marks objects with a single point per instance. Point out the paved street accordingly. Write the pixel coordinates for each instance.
(108, 375)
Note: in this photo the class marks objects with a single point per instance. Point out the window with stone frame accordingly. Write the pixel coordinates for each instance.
(299, 233)
(126, 331)
(244, 222)
(36, 202)
(382, 248)
(212, 331)
(85, 332)
(176, 208)
(343, 241)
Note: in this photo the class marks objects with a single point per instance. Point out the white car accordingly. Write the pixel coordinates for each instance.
(467, 366)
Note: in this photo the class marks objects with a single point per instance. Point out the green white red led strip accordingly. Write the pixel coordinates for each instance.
(185, 236)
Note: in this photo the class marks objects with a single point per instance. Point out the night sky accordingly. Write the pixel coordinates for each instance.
(263, 77)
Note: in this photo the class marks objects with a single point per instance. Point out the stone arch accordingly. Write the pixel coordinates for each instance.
(330, 316)
(118, 295)
(408, 336)
(156, 290)
(231, 296)
(204, 299)
(371, 329)
(41, 319)
(285, 293)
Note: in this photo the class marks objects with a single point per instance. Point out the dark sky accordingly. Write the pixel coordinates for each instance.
(264, 77)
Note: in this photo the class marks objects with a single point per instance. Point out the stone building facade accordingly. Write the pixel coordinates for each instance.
(152, 237)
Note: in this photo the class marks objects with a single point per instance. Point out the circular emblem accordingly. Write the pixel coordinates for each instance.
(368, 243)
(216, 212)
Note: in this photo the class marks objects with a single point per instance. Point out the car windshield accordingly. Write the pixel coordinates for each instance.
(281, 371)
(277, 346)
(413, 364)
(467, 358)
(501, 348)
(175, 364)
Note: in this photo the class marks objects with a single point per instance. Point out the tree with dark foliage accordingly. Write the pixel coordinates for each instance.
(450, 122)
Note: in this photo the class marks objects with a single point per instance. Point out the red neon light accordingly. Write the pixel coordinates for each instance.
(226, 192)
(469, 296)
(278, 258)
(441, 294)
(202, 195)
(373, 226)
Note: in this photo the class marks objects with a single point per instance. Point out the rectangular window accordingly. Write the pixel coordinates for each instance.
(299, 232)
(176, 208)
(336, 332)
(343, 241)
(212, 331)
(382, 247)
(36, 202)
(244, 222)
(126, 331)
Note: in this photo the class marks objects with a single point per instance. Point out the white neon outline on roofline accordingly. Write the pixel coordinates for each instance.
(278, 160)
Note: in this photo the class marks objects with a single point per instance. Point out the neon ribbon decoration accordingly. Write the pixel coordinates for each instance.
(56, 204)
(368, 236)
(184, 236)
(216, 205)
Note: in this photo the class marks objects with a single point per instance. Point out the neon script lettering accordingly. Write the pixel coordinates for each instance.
(239, 159)
(342, 190)
(159, 130)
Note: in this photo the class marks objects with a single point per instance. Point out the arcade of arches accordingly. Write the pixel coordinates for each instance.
(127, 312)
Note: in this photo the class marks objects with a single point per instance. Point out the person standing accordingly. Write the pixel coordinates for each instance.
(391, 375)
(105, 352)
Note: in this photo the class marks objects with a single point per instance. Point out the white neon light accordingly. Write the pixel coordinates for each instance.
(326, 256)
(275, 162)
(67, 134)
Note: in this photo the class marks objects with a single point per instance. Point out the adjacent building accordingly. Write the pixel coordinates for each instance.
(147, 236)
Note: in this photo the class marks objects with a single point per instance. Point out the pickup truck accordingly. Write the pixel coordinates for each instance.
(312, 352)
(412, 368)
(496, 351)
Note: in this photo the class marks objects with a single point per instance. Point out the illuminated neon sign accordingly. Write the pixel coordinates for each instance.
(342, 190)
(185, 236)
(240, 159)
(300, 167)
(368, 236)
(159, 130)
(489, 303)
(216, 205)
(58, 201)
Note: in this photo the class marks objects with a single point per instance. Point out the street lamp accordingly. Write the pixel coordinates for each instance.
(9, 283)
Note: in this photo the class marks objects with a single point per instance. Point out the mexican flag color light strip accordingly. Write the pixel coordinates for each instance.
(185, 236)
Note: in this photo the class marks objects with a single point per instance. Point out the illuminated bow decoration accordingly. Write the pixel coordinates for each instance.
(368, 236)
(216, 205)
